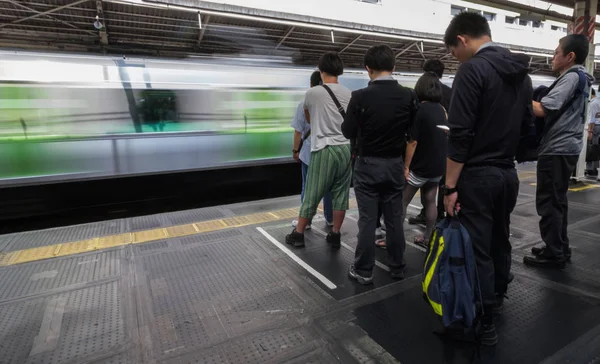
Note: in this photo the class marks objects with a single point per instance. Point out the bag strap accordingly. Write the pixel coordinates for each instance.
(306, 135)
(335, 101)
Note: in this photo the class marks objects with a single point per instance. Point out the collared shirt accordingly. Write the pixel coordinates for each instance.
(302, 126)
(594, 111)
(383, 78)
(485, 45)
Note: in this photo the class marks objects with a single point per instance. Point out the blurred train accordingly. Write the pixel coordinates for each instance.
(73, 117)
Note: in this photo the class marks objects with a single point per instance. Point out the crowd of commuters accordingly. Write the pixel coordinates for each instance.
(457, 146)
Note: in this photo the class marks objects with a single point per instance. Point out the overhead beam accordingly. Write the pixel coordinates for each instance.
(516, 7)
(287, 34)
(42, 13)
(405, 49)
(102, 33)
(421, 50)
(202, 29)
(350, 44)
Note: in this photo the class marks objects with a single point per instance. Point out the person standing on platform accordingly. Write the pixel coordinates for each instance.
(563, 110)
(378, 118)
(302, 153)
(491, 103)
(330, 157)
(437, 67)
(593, 132)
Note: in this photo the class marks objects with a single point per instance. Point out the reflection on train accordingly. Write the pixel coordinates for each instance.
(74, 117)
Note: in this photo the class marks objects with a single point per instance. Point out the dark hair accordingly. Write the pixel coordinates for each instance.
(576, 43)
(429, 88)
(380, 58)
(315, 79)
(434, 65)
(331, 63)
(593, 91)
(466, 23)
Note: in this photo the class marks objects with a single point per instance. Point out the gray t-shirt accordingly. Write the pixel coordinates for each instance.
(325, 118)
(564, 135)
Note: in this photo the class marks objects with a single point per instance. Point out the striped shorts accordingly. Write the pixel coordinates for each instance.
(330, 169)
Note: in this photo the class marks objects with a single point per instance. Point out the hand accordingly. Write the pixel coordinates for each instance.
(296, 156)
(450, 203)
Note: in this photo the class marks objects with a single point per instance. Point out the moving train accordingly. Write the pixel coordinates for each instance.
(79, 117)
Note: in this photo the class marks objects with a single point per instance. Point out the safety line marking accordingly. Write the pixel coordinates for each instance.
(329, 284)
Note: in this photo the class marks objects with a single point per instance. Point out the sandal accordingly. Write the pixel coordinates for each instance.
(420, 241)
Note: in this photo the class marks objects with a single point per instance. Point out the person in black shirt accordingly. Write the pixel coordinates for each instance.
(378, 117)
(490, 107)
(437, 67)
(426, 150)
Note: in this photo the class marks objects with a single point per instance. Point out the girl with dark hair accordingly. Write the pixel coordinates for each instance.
(426, 150)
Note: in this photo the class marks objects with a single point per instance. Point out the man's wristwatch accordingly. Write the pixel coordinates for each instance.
(448, 191)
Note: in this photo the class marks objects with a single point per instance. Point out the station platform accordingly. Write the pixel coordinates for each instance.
(219, 285)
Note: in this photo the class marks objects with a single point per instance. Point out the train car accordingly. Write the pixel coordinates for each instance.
(72, 117)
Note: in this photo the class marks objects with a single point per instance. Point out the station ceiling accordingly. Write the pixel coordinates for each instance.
(171, 28)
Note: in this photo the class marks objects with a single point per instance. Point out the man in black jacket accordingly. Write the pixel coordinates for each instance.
(491, 102)
(379, 117)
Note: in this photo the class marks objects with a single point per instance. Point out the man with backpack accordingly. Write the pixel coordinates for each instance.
(491, 101)
(330, 162)
(563, 110)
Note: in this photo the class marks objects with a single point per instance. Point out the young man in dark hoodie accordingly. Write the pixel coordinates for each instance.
(491, 101)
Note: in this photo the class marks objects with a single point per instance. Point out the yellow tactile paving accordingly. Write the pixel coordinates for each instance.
(138, 237)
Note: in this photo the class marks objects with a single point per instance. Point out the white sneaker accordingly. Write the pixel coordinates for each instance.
(330, 224)
(295, 224)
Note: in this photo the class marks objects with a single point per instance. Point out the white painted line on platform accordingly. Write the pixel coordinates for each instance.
(329, 284)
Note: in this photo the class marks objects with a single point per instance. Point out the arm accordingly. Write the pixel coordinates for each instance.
(461, 120)
(411, 146)
(350, 124)
(463, 115)
(559, 95)
(298, 125)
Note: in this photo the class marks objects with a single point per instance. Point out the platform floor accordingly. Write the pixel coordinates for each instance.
(219, 285)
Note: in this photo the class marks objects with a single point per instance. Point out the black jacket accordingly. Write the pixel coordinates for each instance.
(446, 96)
(379, 118)
(491, 103)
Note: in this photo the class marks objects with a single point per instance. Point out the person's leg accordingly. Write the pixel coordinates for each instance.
(391, 194)
(477, 191)
(570, 163)
(318, 181)
(552, 183)
(428, 199)
(367, 199)
(501, 247)
(328, 208)
(304, 167)
(340, 163)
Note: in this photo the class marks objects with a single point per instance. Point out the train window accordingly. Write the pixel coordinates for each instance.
(158, 108)
(510, 20)
(489, 16)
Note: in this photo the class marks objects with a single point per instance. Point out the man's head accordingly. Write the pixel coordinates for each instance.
(466, 33)
(434, 65)
(379, 59)
(572, 49)
(331, 65)
(315, 79)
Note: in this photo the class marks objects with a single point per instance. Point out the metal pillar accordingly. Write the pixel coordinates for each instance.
(586, 8)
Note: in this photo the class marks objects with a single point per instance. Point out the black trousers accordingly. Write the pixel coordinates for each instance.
(379, 181)
(553, 174)
(487, 196)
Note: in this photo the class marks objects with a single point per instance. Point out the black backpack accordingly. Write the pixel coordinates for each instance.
(527, 149)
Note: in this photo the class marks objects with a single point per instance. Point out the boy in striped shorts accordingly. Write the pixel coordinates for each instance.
(330, 167)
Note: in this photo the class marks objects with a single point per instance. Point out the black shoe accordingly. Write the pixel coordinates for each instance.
(295, 239)
(360, 279)
(488, 335)
(543, 261)
(397, 273)
(539, 251)
(498, 307)
(335, 239)
(417, 220)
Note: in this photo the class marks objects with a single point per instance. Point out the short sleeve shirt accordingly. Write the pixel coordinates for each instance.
(325, 118)
(302, 126)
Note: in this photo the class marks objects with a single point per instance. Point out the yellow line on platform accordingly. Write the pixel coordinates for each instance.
(145, 236)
